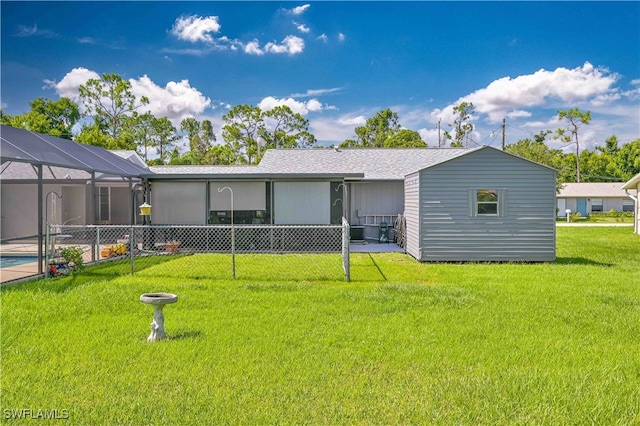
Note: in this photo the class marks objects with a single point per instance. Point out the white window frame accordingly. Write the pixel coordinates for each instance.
(597, 202)
(501, 202)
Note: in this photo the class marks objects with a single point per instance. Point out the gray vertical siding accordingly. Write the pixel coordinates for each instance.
(448, 230)
(412, 214)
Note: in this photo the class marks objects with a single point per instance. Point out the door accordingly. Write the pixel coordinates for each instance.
(582, 206)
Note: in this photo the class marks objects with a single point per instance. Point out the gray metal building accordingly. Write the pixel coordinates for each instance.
(485, 205)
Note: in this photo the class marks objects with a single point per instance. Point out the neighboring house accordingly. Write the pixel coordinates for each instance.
(487, 205)
(593, 197)
(632, 189)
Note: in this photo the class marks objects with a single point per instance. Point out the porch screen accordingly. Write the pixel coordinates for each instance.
(302, 203)
(246, 196)
(178, 203)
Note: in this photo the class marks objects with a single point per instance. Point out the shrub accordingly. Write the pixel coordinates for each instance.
(73, 256)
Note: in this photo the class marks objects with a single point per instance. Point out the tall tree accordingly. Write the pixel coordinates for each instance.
(163, 135)
(243, 125)
(569, 134)
(628, 159)
(405, 139)
(286, 129)
(112, 105)
(201, 137)
(55, 118)
(461, 126)
(382, 126)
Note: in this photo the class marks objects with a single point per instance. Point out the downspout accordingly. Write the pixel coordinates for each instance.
(636, 213)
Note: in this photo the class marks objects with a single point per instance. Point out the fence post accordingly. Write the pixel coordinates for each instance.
(132, 244)
(346, 263)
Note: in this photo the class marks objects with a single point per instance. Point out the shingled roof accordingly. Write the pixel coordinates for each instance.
(592, 189)
(375, 164)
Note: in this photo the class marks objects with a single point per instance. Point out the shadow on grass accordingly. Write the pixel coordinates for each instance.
(186, 334)
(580, 261)
(100, 272)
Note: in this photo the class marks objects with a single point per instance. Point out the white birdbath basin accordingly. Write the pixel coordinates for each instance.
(158, 300)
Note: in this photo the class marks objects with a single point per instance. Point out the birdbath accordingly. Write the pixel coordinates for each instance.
(158, 300)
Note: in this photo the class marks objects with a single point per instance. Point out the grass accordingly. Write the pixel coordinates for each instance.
(404, 343)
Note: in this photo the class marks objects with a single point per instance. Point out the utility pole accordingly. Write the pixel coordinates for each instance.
(439, 140)
(504, 122)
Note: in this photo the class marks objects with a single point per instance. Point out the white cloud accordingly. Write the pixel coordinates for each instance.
(253, 48)
(290, 45)
(302, 108)
(68, 86)
(569, 85)
(323, 37)
(330, 132)
(518, 114)
(314, 92)
(302, 27)
(360, 120)
(177, 100)
(195, 28)
(299, 10)
(314, 105)
(341, 37)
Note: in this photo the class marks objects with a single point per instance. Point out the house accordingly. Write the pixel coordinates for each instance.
(593, 197)
(485, 205)
(369, 187)
(633, 186)
(295, 186)
(372, 186)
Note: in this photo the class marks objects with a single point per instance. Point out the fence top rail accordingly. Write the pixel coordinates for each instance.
(218, 226)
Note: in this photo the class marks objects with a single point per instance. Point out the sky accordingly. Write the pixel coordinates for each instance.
(338, 63)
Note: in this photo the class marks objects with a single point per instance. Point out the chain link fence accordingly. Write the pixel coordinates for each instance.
(255, 252)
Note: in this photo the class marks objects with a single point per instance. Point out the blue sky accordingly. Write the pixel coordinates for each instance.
(338, 63)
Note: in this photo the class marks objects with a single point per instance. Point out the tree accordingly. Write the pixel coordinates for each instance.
(163, 135)
(569, 133)
(628, 159)
(243, 125)
(286, 129)
(112, 105)
(460, 125)
(405, 139)
(536, 150)
(279, 127)
(55, 118)
(382, 126)
(611, 146)
(200, 136)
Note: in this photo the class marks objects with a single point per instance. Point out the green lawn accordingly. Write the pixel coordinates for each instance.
(403, 343)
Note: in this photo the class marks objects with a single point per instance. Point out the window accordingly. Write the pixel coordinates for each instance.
(487, 202)
(628, 205)
(103, 204)
(596, 204)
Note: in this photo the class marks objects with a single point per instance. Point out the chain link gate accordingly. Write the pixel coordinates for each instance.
(261, 252)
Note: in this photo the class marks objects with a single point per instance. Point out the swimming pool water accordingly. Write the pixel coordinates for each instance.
(8, 261)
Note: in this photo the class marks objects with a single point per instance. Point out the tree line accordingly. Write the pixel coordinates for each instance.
(113, 117)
